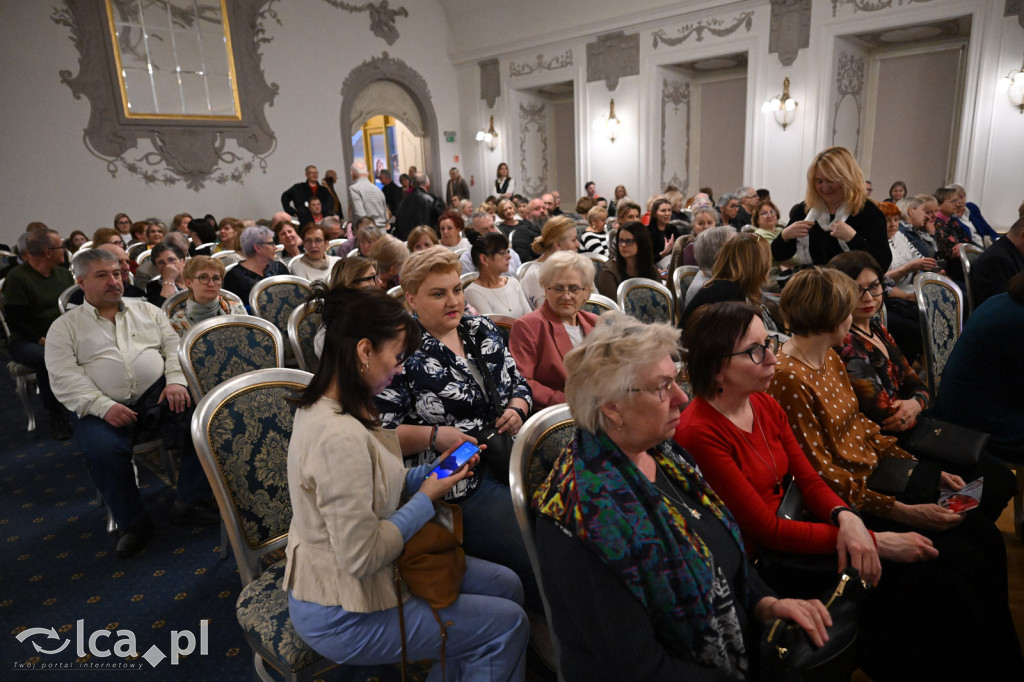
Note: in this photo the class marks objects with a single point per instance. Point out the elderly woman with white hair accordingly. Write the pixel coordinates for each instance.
(259, 249)
(539, 341)
(643, 566)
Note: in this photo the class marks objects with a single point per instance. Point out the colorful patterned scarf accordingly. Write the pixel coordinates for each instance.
(595, 492)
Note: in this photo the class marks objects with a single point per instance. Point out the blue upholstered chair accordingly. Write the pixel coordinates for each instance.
(274, 298)
(334, 245)
(598, 261)
(598, 304)
(968, 254)
(540, 440)
(222, 347)
(241, 430)
(303, 324)
(645, 299)
(682, 277)
(941, 308)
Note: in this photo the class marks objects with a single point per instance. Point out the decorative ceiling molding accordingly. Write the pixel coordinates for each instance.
(192, 151)
(613, 56)
(790, 29)
(558, 62)
(716, 27)
(1015, 8)
(871, 5)
(382, 17)
(490, 81)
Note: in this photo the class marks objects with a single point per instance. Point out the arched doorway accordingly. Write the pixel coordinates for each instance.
(381, 89)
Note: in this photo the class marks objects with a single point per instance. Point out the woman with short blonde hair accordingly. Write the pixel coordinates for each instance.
(203, 277)
(389, 253)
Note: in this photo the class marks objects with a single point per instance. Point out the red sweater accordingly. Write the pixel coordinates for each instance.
(745, 481)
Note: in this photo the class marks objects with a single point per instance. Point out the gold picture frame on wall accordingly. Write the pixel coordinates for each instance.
(174, 59)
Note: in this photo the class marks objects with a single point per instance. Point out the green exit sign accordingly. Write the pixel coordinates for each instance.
(449, 136)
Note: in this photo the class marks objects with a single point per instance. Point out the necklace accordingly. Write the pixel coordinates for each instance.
(768, 463)
(803, 357)
(675, 495)
(867, 334)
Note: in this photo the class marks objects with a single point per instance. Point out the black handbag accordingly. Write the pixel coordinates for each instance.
(891, 476)
(790, 656)
(946, 442)
(498, 455)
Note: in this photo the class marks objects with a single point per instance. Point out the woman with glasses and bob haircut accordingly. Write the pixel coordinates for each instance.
(846, 449)
(260, 252)
(642, 564)
(539, 341)
(203, 276)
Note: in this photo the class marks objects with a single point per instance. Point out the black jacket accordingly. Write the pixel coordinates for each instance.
(419, 207)
(869, 225)
(993, 269)
(295, 199)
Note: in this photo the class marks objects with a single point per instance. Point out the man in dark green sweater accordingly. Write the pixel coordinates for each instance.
(29, 299)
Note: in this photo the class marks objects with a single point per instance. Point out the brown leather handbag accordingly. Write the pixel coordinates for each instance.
(432, 566)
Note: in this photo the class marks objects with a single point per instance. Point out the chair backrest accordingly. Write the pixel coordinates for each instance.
(135, 250)
(468, 278)
(682, 278)
(303, 324)
(598, 261)
(228, 257)
(523, 268)
(645, 299)
(503, 323)
(941, 311)
(968, 254)
(397, 292)
(65, 296)
(241, 431)
(598, 304)
(334, 245)
(540, 440)
(225, 346)
(274, 298)
(176, 302)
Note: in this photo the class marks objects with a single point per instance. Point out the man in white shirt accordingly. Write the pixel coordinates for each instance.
(365, 198)
(483, 222)
(113, 363)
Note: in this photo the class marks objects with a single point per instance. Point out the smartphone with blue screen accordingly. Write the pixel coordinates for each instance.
(455, 461)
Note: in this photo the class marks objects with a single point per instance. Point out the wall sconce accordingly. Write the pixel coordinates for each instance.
(1014, 84)
(781, 107)
(608, 123)
(489, 136)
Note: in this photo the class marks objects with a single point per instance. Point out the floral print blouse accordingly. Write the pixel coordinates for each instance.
(438, 388)
(878, 380)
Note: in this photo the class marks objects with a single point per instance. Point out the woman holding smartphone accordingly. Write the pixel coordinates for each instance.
(349, 524)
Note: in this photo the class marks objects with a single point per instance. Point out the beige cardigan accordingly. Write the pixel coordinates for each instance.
(344, 480)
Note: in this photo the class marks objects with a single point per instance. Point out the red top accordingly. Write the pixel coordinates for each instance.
(745, 481)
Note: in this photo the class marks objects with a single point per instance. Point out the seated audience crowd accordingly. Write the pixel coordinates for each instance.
(662, 543)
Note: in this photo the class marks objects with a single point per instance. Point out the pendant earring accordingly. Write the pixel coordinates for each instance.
(366, 366)
(415, 315)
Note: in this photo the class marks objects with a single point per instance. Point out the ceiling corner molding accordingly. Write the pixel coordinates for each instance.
(192, 151)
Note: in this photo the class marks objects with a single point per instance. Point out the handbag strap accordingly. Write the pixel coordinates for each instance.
(476, 357)
(401, 627)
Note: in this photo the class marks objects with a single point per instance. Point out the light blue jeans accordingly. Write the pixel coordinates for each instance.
(486, 642)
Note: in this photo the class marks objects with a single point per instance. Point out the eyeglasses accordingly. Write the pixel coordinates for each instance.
(875, 289)
(574, 290)
(369, 278)
(267, 244)
(209, 279)
(757, 351)
(627, 242)
(502, 253)
(663, 389)
(125, 221)
(166, 261)
(118, 243)
(767, 214)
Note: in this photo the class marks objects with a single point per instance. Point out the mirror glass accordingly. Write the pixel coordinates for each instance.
(174, 58)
